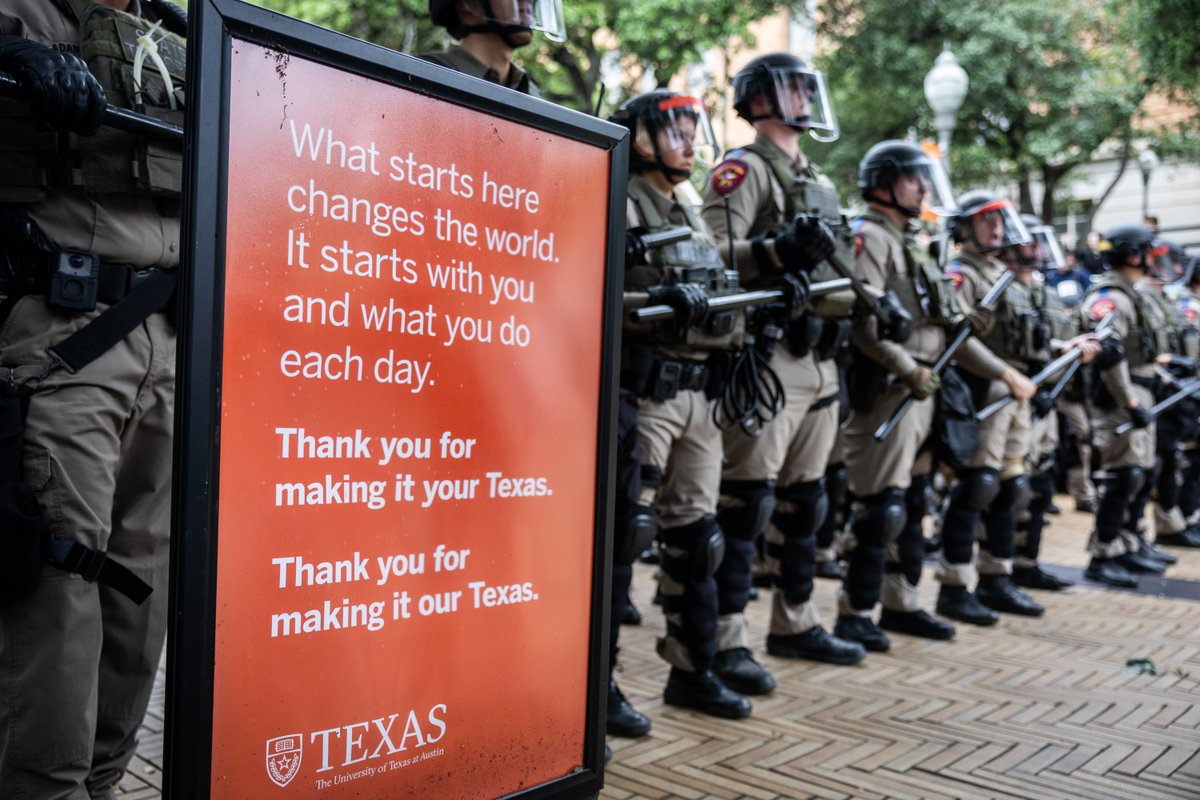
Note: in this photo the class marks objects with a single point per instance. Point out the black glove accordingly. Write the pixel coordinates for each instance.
(689, 301)
(806, 244)
(1042, 404)
(899, 326)
(58, 86)
(1140, 416)
(1182, 366)
(635, 248)
(795, 293)
(173, 17)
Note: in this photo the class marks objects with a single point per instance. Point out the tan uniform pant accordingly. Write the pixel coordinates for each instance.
(1079, 477)
(873, 466)
(793, 448)
(77, 659)
(1043, 441)
(1132, 449)
(680, 438)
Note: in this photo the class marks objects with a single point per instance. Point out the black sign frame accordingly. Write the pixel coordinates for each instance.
(215, 24)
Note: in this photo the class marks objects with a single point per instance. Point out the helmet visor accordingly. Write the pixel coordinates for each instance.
(539, 15)
(1049, 252)
(938, 200)
(678, 128)
(802, 101)
(997, 225)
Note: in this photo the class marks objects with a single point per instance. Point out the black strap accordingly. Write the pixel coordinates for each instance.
(95, 565)
(116, 322)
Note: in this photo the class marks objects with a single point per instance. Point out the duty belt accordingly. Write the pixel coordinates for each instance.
(114, 281)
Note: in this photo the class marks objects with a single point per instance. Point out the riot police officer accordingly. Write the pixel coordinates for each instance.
(489, 31)
(759, 203)
(1031, 261)
(1189, 494)
(674, 369)
(890, 478)
(1123, 392)
(89, 230)
(993, 487)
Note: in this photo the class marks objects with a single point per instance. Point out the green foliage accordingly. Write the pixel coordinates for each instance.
(1167, 36)
(399, 24)
(1047, 86)
(662, 37)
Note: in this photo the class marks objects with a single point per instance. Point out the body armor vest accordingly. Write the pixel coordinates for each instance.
(695, 261)
(1022, 331)
(111, 161)
(925, 292)
(1141, 343)
(811, 193)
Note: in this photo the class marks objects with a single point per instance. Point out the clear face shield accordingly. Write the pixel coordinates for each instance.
(802, 101)
(996, 226)
(927, 179)
(539, 15)
(1048, 251)
(677, 131)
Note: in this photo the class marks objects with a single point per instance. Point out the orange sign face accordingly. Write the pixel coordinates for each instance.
(409, 412)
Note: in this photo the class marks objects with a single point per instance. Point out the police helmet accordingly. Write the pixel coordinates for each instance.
(663, 121)
(1118, 244)
(795, 92)
(543, 15)
(980, 202)
(887, 161)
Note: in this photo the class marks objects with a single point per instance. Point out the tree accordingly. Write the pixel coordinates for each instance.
(660, 38)
(1050, 84)
(402, 25)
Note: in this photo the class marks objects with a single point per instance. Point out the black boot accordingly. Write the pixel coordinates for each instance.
(738, 670)
(915, 623)
(631, 616)
(624, 719)
(1189, 537)
(1136, 562)
(1109, 571)
(957, 603)
(998, 593)
(854, 628)
(704, 692)
(830, 569)
(1037, 578)
(817, 644)
(1150, 551)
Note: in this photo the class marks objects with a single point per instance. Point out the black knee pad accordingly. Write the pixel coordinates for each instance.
(703, 546)
(748, 518)
(636, 532)
(1127, 482)
(977, 488)
(1021, 492)
(882, 518)
(810, 505)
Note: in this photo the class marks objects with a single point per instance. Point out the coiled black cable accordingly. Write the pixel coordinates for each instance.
(753, 394)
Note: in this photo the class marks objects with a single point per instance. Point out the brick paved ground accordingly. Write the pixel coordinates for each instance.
(1033, 708)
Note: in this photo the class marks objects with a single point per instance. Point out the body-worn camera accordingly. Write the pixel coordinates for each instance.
(75, 281)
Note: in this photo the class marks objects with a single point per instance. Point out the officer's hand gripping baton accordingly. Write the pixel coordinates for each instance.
(730, 302)
(964, 330)
(1186, 390)
(1103, 331)
(114, 116)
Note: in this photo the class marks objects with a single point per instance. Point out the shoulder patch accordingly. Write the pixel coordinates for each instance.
(1102, 306)
(860, 242)
(954, 272)
(728, 175)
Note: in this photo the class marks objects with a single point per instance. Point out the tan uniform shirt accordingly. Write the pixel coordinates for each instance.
(122, 228)
(456, 58)
(757, 205)
(1100, 303)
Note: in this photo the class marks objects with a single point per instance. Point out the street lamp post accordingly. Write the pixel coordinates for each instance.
(945, 89)
(1147, 161)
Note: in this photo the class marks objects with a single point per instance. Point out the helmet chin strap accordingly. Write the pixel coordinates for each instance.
(504, 31)
(908, 211)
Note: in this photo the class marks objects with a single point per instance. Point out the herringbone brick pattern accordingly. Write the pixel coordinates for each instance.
(1032, 708)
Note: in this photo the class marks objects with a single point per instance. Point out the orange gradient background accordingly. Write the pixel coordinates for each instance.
(513, 677)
